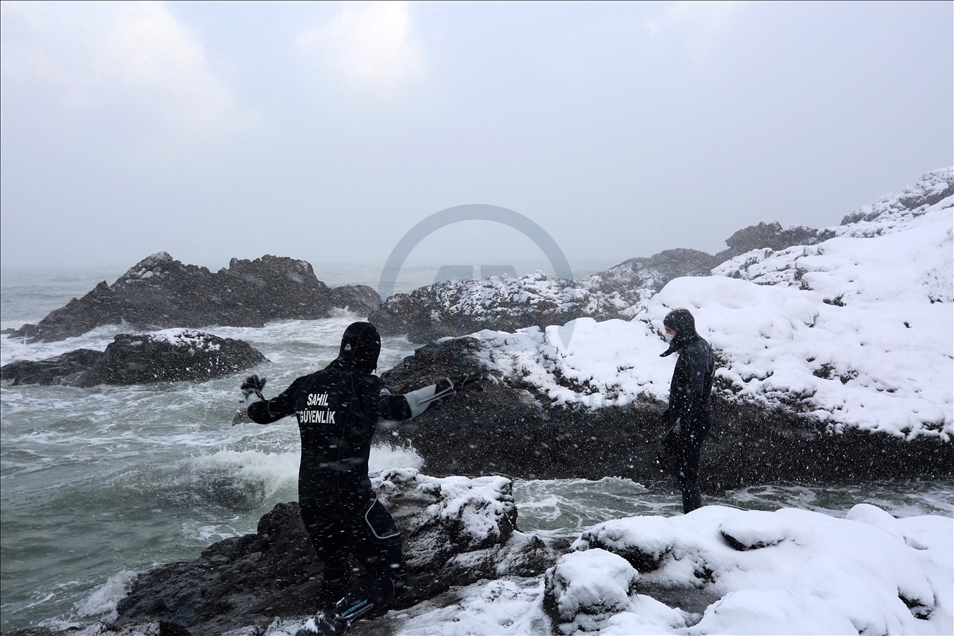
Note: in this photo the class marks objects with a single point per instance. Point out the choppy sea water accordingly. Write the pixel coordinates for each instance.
(100, 483)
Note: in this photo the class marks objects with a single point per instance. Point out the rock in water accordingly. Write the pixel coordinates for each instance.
(161, 292)
(172, 356)
(456, 531)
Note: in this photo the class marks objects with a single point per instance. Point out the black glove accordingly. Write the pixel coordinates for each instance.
(253, 385)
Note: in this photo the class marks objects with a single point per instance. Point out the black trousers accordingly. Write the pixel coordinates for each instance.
(685, 449)
(342, 521)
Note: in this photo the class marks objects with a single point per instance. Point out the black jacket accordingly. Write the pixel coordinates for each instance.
(692, 378)
(337, 409)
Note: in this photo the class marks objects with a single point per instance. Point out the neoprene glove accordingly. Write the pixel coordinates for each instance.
(253, 385)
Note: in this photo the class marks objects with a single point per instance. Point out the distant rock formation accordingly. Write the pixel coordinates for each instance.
(140, 358)
(160, 292)
(914, 200)
(771, 236)
(456, 531)
(460, 307)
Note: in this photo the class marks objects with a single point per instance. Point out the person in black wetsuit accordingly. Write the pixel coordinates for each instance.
(337, 410)
(688, 417)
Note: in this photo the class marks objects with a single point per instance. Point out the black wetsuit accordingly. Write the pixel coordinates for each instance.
(689, 414)
(338, 409)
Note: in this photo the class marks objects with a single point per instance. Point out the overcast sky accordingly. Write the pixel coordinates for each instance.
(326, 131)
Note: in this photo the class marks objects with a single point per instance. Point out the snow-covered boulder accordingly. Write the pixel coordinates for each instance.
(584, 588)
(793, 571)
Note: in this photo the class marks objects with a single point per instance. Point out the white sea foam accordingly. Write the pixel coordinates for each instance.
(385, 455)
(13, 349)
(275, 471)
(101, 602)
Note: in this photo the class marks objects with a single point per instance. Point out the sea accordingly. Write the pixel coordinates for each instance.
(99, 484)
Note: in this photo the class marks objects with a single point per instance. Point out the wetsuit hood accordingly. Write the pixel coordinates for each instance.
(360, 347)
(682, 322)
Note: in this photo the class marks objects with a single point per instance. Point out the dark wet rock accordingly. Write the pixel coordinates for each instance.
(161, 292)
(512, 428)
(456, 531)
(140, 358)
(135, 628)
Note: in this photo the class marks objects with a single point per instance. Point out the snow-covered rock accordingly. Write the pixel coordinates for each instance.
(716, 570)
(785, 572)
(857, 331)
(584, 588)
(794, 571)
(504, 303)
(835, 360)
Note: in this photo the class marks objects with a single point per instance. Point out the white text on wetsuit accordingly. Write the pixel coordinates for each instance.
(315, 416)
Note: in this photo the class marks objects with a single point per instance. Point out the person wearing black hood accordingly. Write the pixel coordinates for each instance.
(688, 417)
(338, 409)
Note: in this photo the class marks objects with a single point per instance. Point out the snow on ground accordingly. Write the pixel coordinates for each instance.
(795, 571)
(784, 572)
(857, 331)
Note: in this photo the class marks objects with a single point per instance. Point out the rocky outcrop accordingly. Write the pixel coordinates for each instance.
(459, 307)
(512, 427)
(456, 531)
(161, 292)
(771, 236)
(914, 200)
(140, 358)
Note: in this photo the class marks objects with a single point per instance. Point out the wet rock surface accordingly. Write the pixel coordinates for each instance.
(140, 358)
(456, 531)
(511, 428)
(161, 292)
(136, 628)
